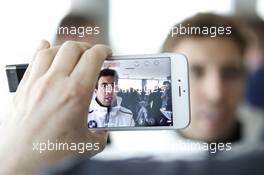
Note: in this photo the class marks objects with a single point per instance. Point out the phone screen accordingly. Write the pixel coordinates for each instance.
(132, 93)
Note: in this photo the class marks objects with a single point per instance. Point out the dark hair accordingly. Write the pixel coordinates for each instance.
(166, 82)
(76, 20)
(207, 20)
(107, 72)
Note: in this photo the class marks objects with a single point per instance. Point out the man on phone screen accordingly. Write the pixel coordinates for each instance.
(105, 109)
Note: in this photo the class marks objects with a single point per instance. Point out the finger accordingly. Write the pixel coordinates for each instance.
(42, 63)
(67, 57)
(42, 45)
(99, 136)
(89, 66)
(98, 132)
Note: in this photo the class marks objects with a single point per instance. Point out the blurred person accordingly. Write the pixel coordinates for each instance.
(255, 62)
(106, 109)
(155, 103)
(217, 79)
(255, 86)
(142, 118)
(131, 100)
(166, 96)
(254, 53)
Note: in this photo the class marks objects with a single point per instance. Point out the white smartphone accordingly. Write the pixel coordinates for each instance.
(135, 92)
(141, 92)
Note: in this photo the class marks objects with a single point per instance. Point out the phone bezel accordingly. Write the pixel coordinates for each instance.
(180, 104)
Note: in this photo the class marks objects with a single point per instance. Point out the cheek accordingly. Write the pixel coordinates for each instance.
(100, 94)
(196, 93)
(196, 100)
(234, 95)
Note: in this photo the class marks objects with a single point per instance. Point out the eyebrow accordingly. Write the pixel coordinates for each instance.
(107, 83)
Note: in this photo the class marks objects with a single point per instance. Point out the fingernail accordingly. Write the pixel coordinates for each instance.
(43, 45)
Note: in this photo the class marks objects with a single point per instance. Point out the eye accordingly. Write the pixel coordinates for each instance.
(232, 73)
(104, 85)
(197, 71)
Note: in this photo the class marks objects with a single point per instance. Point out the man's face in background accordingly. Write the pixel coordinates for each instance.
(216, 84)
(106, 91)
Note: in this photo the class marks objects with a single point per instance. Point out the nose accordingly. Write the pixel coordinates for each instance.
(213, 87)
(109, 89)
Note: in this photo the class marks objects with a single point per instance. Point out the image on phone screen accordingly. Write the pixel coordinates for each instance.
(132, 93)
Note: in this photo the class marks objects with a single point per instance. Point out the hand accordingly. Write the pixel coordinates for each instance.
(51, 104)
